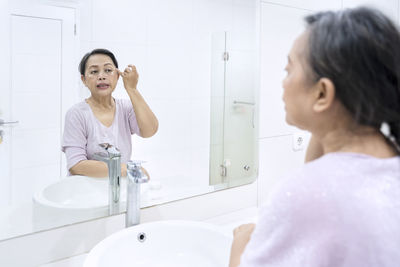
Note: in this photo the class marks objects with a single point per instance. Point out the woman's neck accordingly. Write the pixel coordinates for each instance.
(105, 103)
(362, 139)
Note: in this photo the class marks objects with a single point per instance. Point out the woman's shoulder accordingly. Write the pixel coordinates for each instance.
(338, 173)
(123, 103)
(343, 163)
(78, 111)
(311, 176)
(80, 106)
(305, 191)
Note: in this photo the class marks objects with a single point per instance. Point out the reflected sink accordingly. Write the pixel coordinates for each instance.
(163, 244)
(76, 198)
(77, 193)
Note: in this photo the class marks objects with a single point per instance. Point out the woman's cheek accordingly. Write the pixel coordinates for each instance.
(285, 83)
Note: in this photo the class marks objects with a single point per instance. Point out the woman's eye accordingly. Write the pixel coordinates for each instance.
(93, 72)
(109, 70)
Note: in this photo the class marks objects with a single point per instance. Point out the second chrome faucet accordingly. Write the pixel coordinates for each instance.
(136, 176)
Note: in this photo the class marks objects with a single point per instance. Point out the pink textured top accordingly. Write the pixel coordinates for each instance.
(83, 132)
(341, 210)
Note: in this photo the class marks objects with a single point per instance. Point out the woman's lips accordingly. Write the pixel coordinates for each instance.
(102, 86)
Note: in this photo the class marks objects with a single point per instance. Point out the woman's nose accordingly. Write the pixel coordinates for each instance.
(102, 75)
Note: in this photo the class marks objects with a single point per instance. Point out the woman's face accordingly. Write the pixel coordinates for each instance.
(297, 94)
(101, 75)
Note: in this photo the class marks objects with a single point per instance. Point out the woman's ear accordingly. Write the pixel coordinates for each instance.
(324, 95)
(83, 80)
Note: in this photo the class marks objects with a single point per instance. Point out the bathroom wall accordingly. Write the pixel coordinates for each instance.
(280, 22)
(169, 42)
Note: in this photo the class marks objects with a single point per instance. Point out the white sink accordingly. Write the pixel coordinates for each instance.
(77, 193)
(163, 244)
(76, 198)
(82, 193)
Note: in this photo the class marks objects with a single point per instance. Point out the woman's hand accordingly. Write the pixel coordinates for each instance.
(124, 171)
(241, 236)
(147, 121)
(130, 77)
(146, 173)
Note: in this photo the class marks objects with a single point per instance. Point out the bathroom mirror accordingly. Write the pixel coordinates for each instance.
(198, 67)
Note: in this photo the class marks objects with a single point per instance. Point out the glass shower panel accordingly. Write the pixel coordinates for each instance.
(240, 136)
(233, 152)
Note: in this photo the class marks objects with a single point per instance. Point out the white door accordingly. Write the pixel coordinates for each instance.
(40, 87)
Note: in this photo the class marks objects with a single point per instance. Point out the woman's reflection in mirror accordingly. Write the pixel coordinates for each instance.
(101, 118)
(342, 208)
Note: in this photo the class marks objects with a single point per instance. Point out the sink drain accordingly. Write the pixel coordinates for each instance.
(141, 237)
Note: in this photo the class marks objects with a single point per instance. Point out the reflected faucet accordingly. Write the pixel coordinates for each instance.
(112, 157)
(135, 178)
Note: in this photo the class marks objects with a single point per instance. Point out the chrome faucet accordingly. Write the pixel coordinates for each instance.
(112, 157)
(135, 178)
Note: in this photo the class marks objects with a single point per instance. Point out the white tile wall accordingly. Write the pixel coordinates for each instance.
(277, 36)
(171, 68)
(174, 117)
(172, 27)
(201, 58)
(127, 22)
(308, 4)
(200, 164)
(243, 28)
(212, 15)
(389, 7)
(84, 31)
(200, 122)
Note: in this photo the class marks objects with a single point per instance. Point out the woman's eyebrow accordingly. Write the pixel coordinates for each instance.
(96, 66)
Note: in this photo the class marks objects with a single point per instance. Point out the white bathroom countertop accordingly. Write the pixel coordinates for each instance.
(227, 221)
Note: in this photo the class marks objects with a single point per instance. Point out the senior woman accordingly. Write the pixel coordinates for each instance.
(342, 208)
(104, 119)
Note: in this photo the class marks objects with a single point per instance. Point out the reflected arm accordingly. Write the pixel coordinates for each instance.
(93, 168)
(147, 121)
